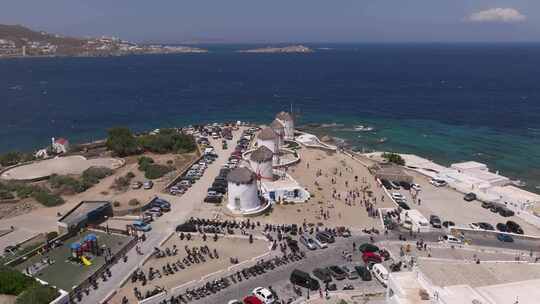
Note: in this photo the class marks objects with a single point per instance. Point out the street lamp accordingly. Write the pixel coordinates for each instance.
(307, 287)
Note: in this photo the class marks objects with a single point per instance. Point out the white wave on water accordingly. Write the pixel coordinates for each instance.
(332, 125)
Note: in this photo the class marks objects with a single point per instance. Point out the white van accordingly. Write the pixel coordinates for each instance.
(380, 273)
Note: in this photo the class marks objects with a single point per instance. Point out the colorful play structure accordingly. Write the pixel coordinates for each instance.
(88, 245)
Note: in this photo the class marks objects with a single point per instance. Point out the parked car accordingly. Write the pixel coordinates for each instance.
(234, 302)
(265, 295)
(407, 225)
(405, 185)
(308, 242)
(351, 273)
(416, 187)
(395, 185)
(474, 226)
(325, 237)
(437, 182)
(448, 224)
(363, 272)
(404, 206)
(303, 279)
(147, 185)
(380, 274)
(367, 247)
(323, 274)
(451, 239)
(162, 204)
(252, 300)
(501, 227)
(503, 237)
(514, 227)
(337, 273)
(506, 212)
(213, 199)
(371, 257)
(469, 197)
(435, 221)
(487, 205)
(386, 184)
(320, 244)
(136, 185)
(397, 195)
(485, 226)
(141, 226)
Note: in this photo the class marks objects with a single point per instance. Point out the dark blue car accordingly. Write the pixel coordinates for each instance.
(505, 238)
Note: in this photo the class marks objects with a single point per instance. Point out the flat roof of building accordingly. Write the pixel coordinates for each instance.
(450, 273)
(80, 212)
(522, 292)
(518, 193)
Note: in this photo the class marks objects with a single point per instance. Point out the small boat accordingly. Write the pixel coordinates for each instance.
(382, 140)
(362, 128)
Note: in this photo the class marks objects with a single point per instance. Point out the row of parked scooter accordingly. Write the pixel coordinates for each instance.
(105, 275)
(215, 286)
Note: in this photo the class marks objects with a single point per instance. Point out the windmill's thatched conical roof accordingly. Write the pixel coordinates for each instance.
(276, 124)
(267, 133)
(241, 175)
(262, 154)
(284, 116)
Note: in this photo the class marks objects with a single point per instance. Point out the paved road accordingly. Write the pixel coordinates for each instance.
(279, 277)
(162, 227)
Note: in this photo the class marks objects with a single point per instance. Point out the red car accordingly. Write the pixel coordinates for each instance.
(252, 300)
(371, 257)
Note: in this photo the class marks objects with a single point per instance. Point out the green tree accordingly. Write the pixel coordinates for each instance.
(394, 158)
(122, 142)
(37, 294)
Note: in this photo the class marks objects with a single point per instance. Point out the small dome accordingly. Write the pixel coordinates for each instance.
(267, 134)
(262, 154)
(241, 176)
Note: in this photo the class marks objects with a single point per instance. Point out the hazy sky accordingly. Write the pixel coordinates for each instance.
(283, 20)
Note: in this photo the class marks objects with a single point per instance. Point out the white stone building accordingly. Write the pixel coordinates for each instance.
(243, 196)
(60, 145)
(261, 163)
(268, 138)
(288, 123)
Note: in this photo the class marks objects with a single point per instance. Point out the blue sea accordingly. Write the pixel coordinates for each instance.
(447, 102)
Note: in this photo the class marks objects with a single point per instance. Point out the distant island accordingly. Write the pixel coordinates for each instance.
(20, 41)
(286, 49)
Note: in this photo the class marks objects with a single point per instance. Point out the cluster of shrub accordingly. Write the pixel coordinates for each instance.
(13, 158)
(40, 194)
(89, 178)
(123, 143)
(122, 183)
(394, 158)
(151, 169)
(27, 290)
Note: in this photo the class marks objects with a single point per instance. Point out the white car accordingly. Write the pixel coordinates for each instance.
(451, 239)
(319, 243)
(416, 187)
(474, 226)
(380, 273)
(265, 295)
(397, 195)
(308, 242)
(437, 182)
(234, 302)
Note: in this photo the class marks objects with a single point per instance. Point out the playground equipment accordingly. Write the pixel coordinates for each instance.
(85, 261)
(88, 245)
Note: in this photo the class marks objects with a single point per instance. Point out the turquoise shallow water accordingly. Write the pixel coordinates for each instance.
(445, 102)
(513, 155)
